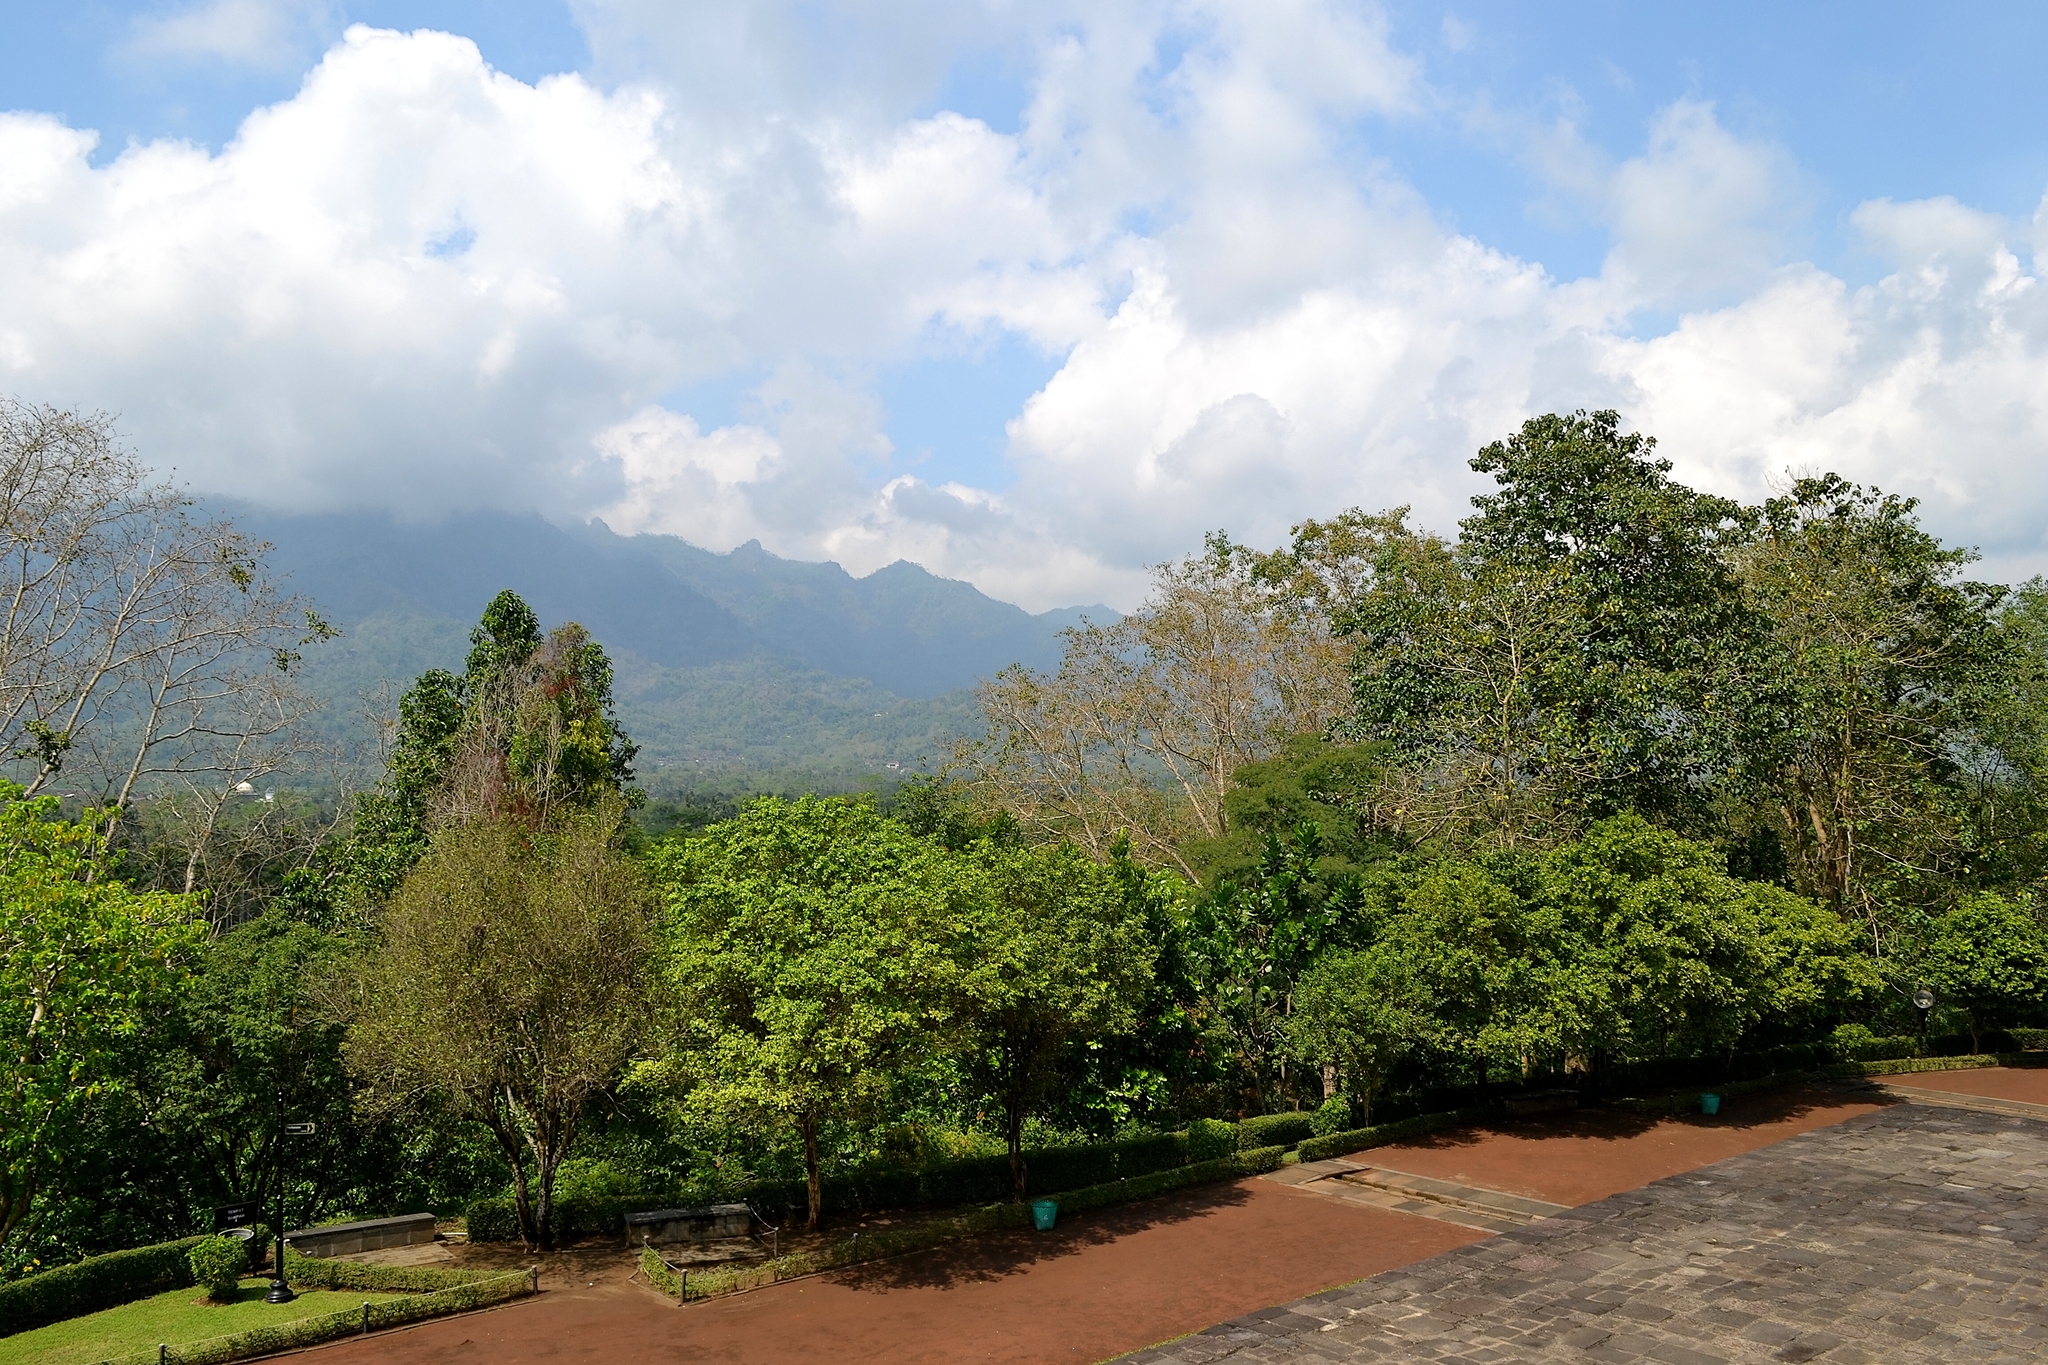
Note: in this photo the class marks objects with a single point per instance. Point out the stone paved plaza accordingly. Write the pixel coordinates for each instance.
(1909, 1235)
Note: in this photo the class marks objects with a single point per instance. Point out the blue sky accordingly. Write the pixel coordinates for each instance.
(1033, 293)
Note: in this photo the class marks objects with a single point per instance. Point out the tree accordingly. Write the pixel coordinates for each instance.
(1248, 943)
(1139, 731)
(1572, 655)
(1054, 953)
(1357, 1013)
(806, 953)
(510, 983)
(527, 730)
(1989, 958)
(85, 962)
(1867, 725)
(144, 642)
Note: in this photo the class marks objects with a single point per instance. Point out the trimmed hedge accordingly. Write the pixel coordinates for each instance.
(1275, 1130)
(992, 1218)
(319, 1272)
(946, 1184)
(478, 1292)
(1379, 1135)
(97, 1282)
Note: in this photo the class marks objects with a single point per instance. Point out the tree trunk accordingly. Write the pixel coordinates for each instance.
(1329, 1079)
(814, 1187)
(1014, 1118)
(522, 1205)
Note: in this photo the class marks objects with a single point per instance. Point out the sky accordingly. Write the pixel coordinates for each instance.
(1033, 294)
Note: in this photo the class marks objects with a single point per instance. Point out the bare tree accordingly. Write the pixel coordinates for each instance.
(1146, 720)
(143, 644)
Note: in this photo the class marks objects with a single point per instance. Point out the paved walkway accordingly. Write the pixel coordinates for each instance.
(1912, 1235)
(1377, 1187)
(1996, 1089)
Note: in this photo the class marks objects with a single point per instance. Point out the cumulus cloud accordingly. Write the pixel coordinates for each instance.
(421, 284)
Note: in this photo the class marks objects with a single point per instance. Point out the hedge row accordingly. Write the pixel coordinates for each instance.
(1379, 1135)
(1269, 1130)
(994, 1217)
(319, 1272)
(946, 1184)
(479, 1292)
(97, 1282)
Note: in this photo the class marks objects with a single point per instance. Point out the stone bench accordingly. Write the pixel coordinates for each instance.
(372, 1234)
(714, 1224)
(1541, 1102)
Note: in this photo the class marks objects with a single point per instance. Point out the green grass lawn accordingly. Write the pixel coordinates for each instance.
(180, 1317)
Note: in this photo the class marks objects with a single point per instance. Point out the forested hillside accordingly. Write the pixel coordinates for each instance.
(732, 669)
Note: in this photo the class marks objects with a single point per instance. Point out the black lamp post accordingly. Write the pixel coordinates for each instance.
(280, 1292)
(1923, 1000)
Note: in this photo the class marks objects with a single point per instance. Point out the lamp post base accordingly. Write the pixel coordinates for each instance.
(280, 1292)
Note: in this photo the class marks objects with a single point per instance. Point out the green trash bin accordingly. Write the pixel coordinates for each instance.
(1710, 1104)
(1043, 1212)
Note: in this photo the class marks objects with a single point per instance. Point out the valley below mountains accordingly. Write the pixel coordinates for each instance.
(738, 671)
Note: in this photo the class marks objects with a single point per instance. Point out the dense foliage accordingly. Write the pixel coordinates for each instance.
(1624, 781)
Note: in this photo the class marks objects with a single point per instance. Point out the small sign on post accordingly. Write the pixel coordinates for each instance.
(300, 1129)
(229, 1216)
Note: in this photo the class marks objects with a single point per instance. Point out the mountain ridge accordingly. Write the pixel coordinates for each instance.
(726, 663)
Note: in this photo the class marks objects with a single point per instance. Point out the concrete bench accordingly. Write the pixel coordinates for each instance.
(372, 1234)
(1541, 1102)
(714, 1224)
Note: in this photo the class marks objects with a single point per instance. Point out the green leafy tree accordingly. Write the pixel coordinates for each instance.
(1871, 716)
(509, 985)
(1571, 655)
(1054, 954)
(529, 727)
(85, 963)
(807, 954)
(1247, 944)
(1988, 957)
(1356, 1014)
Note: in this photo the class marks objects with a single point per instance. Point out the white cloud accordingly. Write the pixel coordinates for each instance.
(421, 284)
(266, 34)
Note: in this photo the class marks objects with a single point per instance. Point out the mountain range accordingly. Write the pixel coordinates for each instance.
(733, 670)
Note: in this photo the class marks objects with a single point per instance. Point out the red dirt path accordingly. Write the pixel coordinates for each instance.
(2029, 1084)
(1577, 1158)
(1104, 1282)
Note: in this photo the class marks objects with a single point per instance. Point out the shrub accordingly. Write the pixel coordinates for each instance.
(492, 1219)
(1211, 1138)
(218, 1263)
(1855, 1043)
(92, 1284)
(1273, 1130)
(1333, 1117)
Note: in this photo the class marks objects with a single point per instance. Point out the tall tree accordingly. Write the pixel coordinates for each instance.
(1573, 653)
(510, 983)
(1869, 708)
(144, 643)
(1139, 731)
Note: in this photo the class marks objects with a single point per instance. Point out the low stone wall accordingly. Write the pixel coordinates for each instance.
(372, 1234)
(713, 1224)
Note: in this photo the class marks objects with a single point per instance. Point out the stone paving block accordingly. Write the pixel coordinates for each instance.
(1905, 1236)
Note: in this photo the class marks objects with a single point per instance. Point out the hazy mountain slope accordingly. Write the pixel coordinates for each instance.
(902, 627)
(728, 665)
(358, 566)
